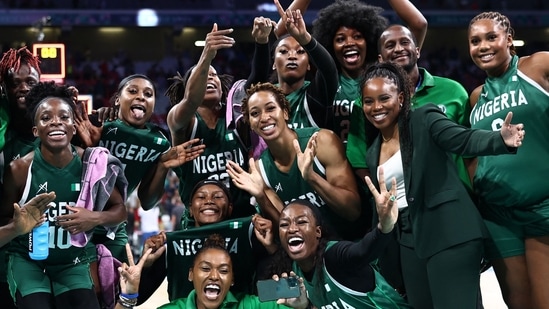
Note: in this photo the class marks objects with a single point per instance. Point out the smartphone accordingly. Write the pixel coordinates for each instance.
(268, 290)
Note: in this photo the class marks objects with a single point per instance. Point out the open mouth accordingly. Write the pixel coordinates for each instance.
(57, 134)
(212, 291)
(138, 111)
(211, 86)
(295, 244)
(351, 56)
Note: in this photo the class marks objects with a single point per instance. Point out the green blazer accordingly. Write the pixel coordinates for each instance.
(442, 213)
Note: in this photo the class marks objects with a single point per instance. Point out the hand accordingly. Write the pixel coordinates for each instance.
(182, 153)
(78, 221)
(300, 302)
(88, 133)
(512, 134)
(263, 229)
(74, 92)
(305, 159)
(216, 40)
(295, 25)
(156, 245)
(262, 28)
(386, 204)
(251, 182)
(130, 275)
(31, 214)
(106, 113)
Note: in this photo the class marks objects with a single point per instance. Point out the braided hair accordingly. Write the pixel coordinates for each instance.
(396, 74)
(14, 58)
(176, 90)
(499, 19)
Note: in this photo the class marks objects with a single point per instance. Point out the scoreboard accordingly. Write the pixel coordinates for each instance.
(52, 60)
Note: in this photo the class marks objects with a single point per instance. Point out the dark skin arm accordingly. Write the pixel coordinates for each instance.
(82, 220)
(412, 17)
(151, 187)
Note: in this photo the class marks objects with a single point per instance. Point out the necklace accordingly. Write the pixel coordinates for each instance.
(386, 139)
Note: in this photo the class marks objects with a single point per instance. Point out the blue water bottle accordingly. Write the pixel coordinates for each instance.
(39, 242)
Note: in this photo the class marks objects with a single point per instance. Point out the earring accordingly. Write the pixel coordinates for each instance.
(400, 104)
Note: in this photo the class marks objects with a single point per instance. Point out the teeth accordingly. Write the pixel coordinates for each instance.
(213, 286)
(380, 116)
(54, 133)
(267, 127)
(138, 107)
(210, 86)
(351, 53)
(293, 240)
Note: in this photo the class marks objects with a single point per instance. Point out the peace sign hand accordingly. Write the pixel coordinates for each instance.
(386, 203)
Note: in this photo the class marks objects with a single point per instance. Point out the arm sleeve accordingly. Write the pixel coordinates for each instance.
(458, 139)
(349, 262)
(260, 65)
(323, 88)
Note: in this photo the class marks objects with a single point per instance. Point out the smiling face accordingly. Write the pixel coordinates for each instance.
(350, 50)
(397, 45)
(381, 101)
(54, 123)
(212, 277)
(210, 204)
(267, 119)
(136, 101)
(299, 234)
(20, 83)
(291, 61)
(489, 46)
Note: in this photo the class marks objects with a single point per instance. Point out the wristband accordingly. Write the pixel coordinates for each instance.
(129, 296)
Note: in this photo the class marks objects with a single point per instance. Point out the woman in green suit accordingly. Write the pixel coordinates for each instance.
(440, 231)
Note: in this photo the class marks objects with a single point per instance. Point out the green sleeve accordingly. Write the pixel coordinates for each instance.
(356, 140)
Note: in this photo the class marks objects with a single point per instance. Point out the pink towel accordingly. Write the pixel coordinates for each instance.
(101, 172)
(107, 270)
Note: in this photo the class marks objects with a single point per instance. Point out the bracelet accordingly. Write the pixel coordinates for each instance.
(127, 302)
(129, 296)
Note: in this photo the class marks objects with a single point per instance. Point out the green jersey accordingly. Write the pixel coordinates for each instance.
(4, 117)
(222, 144)
(291, 186)
(137, 149)
(300, 115)
(17, 147)
(183, 245)
(330, 294)
(65, 182)
(514, 180)
(344, 101)
(356, 136)
(236, 301)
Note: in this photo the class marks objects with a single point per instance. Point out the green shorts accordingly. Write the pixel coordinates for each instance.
(509, 227)
(29, 277)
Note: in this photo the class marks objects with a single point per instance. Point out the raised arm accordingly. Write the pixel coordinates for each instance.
(412, 17)
(339, 189)
(301, 5)
(181, 116)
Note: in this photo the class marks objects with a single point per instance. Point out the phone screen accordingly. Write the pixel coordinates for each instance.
(268, 290)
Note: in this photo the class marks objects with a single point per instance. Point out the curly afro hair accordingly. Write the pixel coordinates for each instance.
(354, 14)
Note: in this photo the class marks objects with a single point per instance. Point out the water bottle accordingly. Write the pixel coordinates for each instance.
(39, 242)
